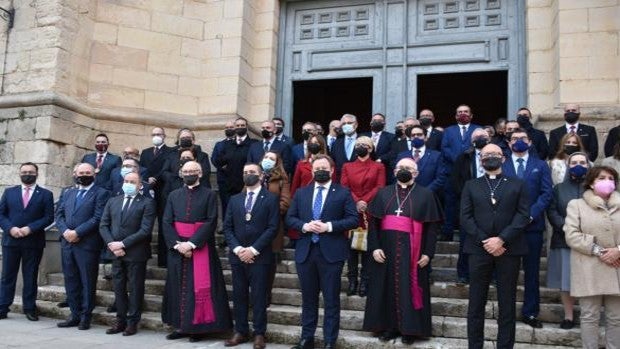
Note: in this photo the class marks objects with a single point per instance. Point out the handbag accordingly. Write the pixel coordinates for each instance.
(359, 236)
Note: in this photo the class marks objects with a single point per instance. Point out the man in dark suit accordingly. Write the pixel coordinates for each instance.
(335, 131)
(494, 213)
(25, 211)
(431, 170)
(380, 138)
(299, 150)
(270, 143)
(322, 211)
(130, 163)
(220, 174)
(433, 135)
(279, 123)
(102, 161)
(186, 140)
(613, 138)
(250, 225)
(77, 219)
(153, 158)
(587, 133)
(537, 176)
(343, 150)
(126, 227)
(537, 137)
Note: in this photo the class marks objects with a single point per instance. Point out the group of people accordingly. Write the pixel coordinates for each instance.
(399, 193)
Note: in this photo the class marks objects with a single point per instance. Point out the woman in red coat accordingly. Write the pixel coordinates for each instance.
(364, 177)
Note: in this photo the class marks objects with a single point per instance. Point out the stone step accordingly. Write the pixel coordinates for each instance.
(449, 332)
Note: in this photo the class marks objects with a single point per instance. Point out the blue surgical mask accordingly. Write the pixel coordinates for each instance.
(520, 146)
(267, 164)
(130, 189)
(125, 171)
(417, 143)
(347, 129)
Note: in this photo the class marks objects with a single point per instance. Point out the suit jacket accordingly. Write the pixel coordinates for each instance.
(111, 161)
(538, 182)
(432, 172)
(218, 148)
(539, 142)
(382, 150)
(154, 164)
(259, 232)
(453, 145)
(588, 137)
(287, 140)
(612, 139)
(233, 158)
(297, 153)
(433, 140)
(338, 153)
(133, 229)
(172, 163)
(84, 219)
(338, 208)
(507, 219)
(464, 169)
(37, 216)
(257, 151)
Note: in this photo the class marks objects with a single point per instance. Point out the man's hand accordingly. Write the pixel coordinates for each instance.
(188, 254)
(378, 255)
(361, 206)
(246, 255)
(25, 231)
(152, 180)
(184, 247)
(119, 253)
(494, 246)
(315, 227)
(115, 246)
(423, 261)
(610, 255)
(15, 232)
(71, 236)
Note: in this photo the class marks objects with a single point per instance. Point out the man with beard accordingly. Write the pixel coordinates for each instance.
(102, 161)
(404, 221)
(586, 132)
(433, 135)
(538, 138)
(195, 300)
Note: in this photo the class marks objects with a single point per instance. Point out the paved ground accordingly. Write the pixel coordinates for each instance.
(17, 332)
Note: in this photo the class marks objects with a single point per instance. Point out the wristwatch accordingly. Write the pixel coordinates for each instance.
(597, 250)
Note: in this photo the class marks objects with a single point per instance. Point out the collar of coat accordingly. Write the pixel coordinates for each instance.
(596, 201)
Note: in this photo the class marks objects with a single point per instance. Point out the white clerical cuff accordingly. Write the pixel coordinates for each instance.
(192, 245)
(254, 251)
(329, 227)
(237, 249)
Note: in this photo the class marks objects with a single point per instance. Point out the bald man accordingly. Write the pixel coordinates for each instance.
(572, 113)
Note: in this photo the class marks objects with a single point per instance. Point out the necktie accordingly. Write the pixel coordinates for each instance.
(316, 209)
(26, 196)
(155, 151)
(266, 147)
(248, 202)
(126, 206)
(520, 168)
(80, 197)
(349, 147)
(572, 129)
(416, 155)
(331, 142)
(99, 160)
(479, 167)
(463, 132)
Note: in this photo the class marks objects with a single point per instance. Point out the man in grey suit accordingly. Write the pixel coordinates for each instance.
(126, 227)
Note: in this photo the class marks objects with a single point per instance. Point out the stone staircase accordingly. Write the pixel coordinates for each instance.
(449, 307)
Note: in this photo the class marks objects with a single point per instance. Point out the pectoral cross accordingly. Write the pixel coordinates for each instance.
(398, 211)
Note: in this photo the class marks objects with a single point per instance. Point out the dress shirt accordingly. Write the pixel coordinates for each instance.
(32, 189)
(516, 164)
(568, 126)
(375, 136)
(479, 168)
(422, 150)
(255, 191)
(241, 139)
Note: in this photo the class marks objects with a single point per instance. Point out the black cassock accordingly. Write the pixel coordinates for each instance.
(190, 206)
(389, 304)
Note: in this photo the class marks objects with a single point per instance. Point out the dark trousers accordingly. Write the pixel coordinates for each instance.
(162, 249)
(80, 268)
(318, 275)
(250, 283)
(11, 258)
(128, 278)
(224, 196)
(462, 264)
(451, 201)
(353, 264)
(481, 269)
(531, 270)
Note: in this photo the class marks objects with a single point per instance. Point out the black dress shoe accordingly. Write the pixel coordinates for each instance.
(68, 323)
(567, 324)
(2, 316)
(193, 338)
(304, 344)
(130, 330)
(32, 316)
(533, 321)
(63, 304)
(116, 328)
(84, 325)
(363, 291)
(462, 281)
(352, 287)
(175, 335)
(408, 340)
(387, 336)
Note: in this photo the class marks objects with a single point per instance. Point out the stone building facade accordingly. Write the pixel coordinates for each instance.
(74, 68)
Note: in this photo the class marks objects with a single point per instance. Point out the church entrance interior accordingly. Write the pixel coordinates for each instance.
(321, 101)
(485, 92)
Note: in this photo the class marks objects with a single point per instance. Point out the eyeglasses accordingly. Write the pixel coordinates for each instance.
(526, 115)
(417, 135)
(524, 138)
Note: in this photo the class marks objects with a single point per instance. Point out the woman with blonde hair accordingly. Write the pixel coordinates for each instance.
(570, 143)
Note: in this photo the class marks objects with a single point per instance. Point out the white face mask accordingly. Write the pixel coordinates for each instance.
(130, 189)
(348, 129)
(157, 141)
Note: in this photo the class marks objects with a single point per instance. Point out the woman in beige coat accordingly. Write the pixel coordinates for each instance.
(592, 229)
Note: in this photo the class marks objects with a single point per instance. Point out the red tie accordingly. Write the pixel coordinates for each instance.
(26, 196)
(99, 160)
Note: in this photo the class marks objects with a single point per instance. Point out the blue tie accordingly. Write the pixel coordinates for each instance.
(316, 210)
(266, 147)
(349, 147)
(248, 202)
(520, 168)
(80, 197)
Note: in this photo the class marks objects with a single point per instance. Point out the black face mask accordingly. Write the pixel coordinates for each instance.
(492, 164)
(524, 122)
(322, 176)
(28, 179)
(250, 179)
(190, 179)
(399, 132)
(571, 117)
(479, 143)
(314, 148)
(305, 135)
(408, 131)
(426, 122)
(361, 151)
(404, 176)
(241, 131)
(185, 142)
(266, 134)
(338, 131)
(85, 180)
(229, 132)
(377, 126)
(279, 130)
(570, 149)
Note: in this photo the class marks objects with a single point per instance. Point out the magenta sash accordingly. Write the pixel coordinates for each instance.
(414, 229)
(203, 303)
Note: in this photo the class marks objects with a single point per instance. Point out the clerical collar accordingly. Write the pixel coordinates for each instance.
(400, 186)
(494, 176)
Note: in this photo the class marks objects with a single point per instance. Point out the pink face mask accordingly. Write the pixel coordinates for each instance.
(604, 187)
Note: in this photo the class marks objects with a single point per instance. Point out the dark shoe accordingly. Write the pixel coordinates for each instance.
(84, 325)
(387, 336)
(32, 316)
(352, 287)
(567, 324)
(363, 291)
(175, 335)
(68, 323)
(462, 281)
(304, 344)
(533, 321)
(63, 304)
(408, 340)
(329, 346)
(117, 328)
(236, 339)
(259, 342)
(130, 330)
(193, 338)
(3, 316)
(111, 308)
